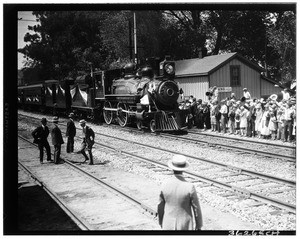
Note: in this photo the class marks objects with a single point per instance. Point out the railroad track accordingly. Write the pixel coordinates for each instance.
(243, 139)
(98, 205)
(239, 144)
(234, 175)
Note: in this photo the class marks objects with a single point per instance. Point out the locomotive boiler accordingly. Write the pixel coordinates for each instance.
(147, 96)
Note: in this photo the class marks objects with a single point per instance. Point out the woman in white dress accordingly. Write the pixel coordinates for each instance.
(265, 123)
(258, 116)
(243, 124)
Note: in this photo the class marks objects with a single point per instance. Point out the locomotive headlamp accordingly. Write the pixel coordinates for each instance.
(169, 69)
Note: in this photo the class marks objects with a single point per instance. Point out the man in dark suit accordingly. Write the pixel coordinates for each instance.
(57, 140)
(40, 135)
(70, 133)
(88, 141)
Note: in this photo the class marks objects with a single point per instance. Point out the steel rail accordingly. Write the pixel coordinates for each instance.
(83, 225)
(240, 139)
(247, 193)
(115, 189)
(144, 206)
(253, 151)
(262, 153)
(241, 170)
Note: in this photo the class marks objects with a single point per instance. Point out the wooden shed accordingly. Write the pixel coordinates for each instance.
(229, 72)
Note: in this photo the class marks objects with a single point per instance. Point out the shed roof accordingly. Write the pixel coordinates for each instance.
(208, 64)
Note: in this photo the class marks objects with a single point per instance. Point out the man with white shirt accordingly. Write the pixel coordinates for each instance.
(246, 94)
(285, 94)
(288, 122)
(224, 115)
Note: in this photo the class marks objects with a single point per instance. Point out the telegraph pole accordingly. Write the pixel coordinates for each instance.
(130, 39)
(135, 41)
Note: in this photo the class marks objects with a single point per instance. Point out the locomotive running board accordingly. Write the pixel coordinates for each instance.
(120, 109)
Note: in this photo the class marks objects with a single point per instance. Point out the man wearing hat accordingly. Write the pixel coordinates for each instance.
(224, 115)
(88, 141)
(285, 94)
(57, 140)
(40, 135)
(178, 206)
(288, 122)
(246, 94)
(70, 133)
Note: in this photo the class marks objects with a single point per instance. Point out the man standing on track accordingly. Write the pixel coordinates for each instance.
(178, 206)
(88, 141)
(40, 135)
(57, 140)
(70, 133)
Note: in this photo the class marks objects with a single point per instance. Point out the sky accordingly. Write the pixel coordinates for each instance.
(27, 19)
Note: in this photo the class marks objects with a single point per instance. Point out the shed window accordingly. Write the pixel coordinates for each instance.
(235, 76)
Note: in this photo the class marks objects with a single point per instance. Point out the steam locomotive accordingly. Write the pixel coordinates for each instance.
(146, 96)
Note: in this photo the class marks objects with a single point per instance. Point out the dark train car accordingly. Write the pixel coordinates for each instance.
(33, 96)
(86, 93)
(50, 89)
(142, 96)
(57, 96)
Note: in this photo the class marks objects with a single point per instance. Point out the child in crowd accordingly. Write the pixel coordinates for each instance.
(273, 125)
(280, 125)
(213, 117)
(231, 122)
(237, 121)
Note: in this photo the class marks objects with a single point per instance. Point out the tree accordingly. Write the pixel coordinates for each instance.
(282, 40)
(187, 33)
(58, 49)
(104, 39)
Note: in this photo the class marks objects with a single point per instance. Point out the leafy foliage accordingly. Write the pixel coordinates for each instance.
(67, 42)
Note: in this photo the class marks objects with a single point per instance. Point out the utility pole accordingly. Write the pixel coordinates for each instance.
(135, 41)
(130, 39)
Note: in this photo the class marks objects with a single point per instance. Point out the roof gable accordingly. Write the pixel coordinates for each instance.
(208, 64)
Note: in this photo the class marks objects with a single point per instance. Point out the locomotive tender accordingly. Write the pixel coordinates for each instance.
(146, 96)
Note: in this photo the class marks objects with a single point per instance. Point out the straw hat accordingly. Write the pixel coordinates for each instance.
(71, 115)
(178, 163)
(82, 121)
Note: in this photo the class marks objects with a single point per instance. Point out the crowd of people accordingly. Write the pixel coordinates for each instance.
(273, 118)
